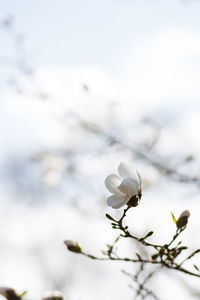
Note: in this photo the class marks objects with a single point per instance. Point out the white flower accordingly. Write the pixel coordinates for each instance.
(126, 188)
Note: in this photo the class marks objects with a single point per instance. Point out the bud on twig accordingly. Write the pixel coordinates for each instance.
(110, 217)
(154, 256)
(9, 293)
(53, 295)
(183, 219)
(72, 246)
(146, 236)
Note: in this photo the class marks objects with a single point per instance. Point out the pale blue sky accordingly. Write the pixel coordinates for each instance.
(79, 33)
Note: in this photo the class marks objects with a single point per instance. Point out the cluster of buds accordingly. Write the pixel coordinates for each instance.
(168, 255)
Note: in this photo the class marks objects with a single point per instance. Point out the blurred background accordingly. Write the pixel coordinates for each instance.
(85, 85)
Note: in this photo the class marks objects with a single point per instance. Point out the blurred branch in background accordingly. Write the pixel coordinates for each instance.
(145, 151)
(53, 161)
(17, 59)
(17, 62)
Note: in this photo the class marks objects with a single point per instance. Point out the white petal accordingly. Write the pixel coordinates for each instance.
(121, 204)
(125, 171)
(111, 182)
(115, 200)
(139, 178)
(123, 188)
(131, 185)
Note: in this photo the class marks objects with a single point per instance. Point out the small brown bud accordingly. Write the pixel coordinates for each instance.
(9, 293)
(183, 219)
(72, 246)
(154, 256)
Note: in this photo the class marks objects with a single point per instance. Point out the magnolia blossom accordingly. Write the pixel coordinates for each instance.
(126, 188)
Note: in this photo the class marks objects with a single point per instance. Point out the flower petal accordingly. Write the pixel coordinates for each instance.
(115, 201)
(123, 188)
(131, 185)
(125, 171)
(121, 204)
(139, 178)
(111, 182)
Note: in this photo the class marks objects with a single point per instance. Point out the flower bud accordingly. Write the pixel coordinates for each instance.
(154, 256)
(9, 293)
(72, 246)
(53, 295)
(183, 219)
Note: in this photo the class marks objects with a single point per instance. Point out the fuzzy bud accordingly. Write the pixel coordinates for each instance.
(9, 293)
(72, 246)
(183, 219)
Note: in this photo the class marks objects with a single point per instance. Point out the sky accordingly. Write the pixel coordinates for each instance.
(138, 59)
(151, 47)
(99, 33)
